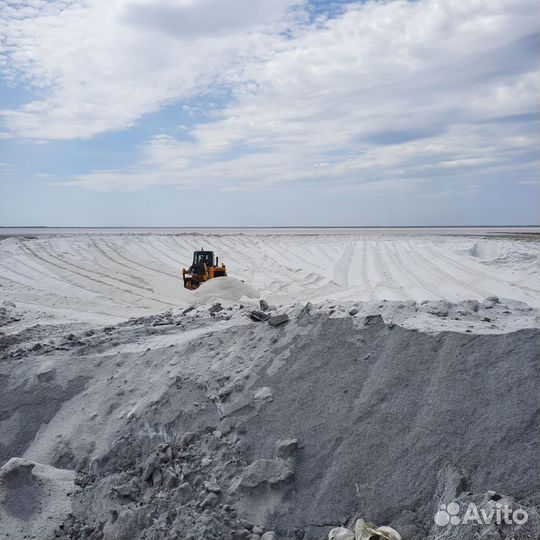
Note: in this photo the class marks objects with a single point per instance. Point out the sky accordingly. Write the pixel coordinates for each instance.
(269, 113)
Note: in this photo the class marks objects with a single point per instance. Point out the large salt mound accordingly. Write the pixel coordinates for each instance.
(224, 288)
(296, 427)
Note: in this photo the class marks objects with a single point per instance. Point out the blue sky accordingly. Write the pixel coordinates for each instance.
(257, 113)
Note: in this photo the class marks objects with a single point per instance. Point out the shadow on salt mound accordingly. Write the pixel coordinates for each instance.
(224, 288)
(35, 498)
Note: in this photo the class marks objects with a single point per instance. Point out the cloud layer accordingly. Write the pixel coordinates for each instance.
(432, 97)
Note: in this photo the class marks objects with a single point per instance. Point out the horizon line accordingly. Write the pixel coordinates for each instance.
(267, 226)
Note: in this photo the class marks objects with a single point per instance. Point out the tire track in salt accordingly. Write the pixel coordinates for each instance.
(292, 255)
(246, 252)
(325, 275)
(68, 271)
(340, 272)
(122, 265)
(409, 271)
(382, 267)
(67, 264)
(323, 250)
(327, 254)
(183, 251)
(314, 279)
(166, 249)
(309, 252)
(49, 297)
(180, 242)
(335, 282)
(314, 251)
(44, 271)
(289, 270)
(534, 292)
(23, 284)
(311, 281)
(437, 270)
(140, 264)
(364, 271)
(147, 249)
(269, 265)
(57, 301)
(257, 257)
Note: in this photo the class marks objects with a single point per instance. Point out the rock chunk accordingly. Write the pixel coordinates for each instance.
(215, 308)
(170, 479)
(210, 501)
(187, 439)
(472, 305)
(264, 394)
(451, 483)
(128, 490)
(185, 492)
(46, 373)
(240, 406)
(16, 473)
(149, 466)
(372, 320)
(277, 320)
(286, 448)
(269, 471)
(257, 315)
(306, 310)
(212, 487)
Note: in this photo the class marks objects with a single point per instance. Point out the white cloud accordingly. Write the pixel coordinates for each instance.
(104, 64)
(384, 95)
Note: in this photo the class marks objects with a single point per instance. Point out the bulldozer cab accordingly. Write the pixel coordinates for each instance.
(201, 258)
(203, 268)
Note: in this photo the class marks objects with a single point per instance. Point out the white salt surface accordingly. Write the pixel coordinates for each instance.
(105, 278)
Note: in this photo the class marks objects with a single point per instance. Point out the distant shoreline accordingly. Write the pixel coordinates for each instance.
(519, 232)
(283, 227)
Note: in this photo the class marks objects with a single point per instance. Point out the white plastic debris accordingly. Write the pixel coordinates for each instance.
(364, 531)
(341, 533)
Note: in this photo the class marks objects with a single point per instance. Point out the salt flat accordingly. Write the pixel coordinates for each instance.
(95, 277)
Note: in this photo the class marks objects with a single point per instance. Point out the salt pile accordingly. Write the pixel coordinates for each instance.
(224, 289)
(155, 415)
